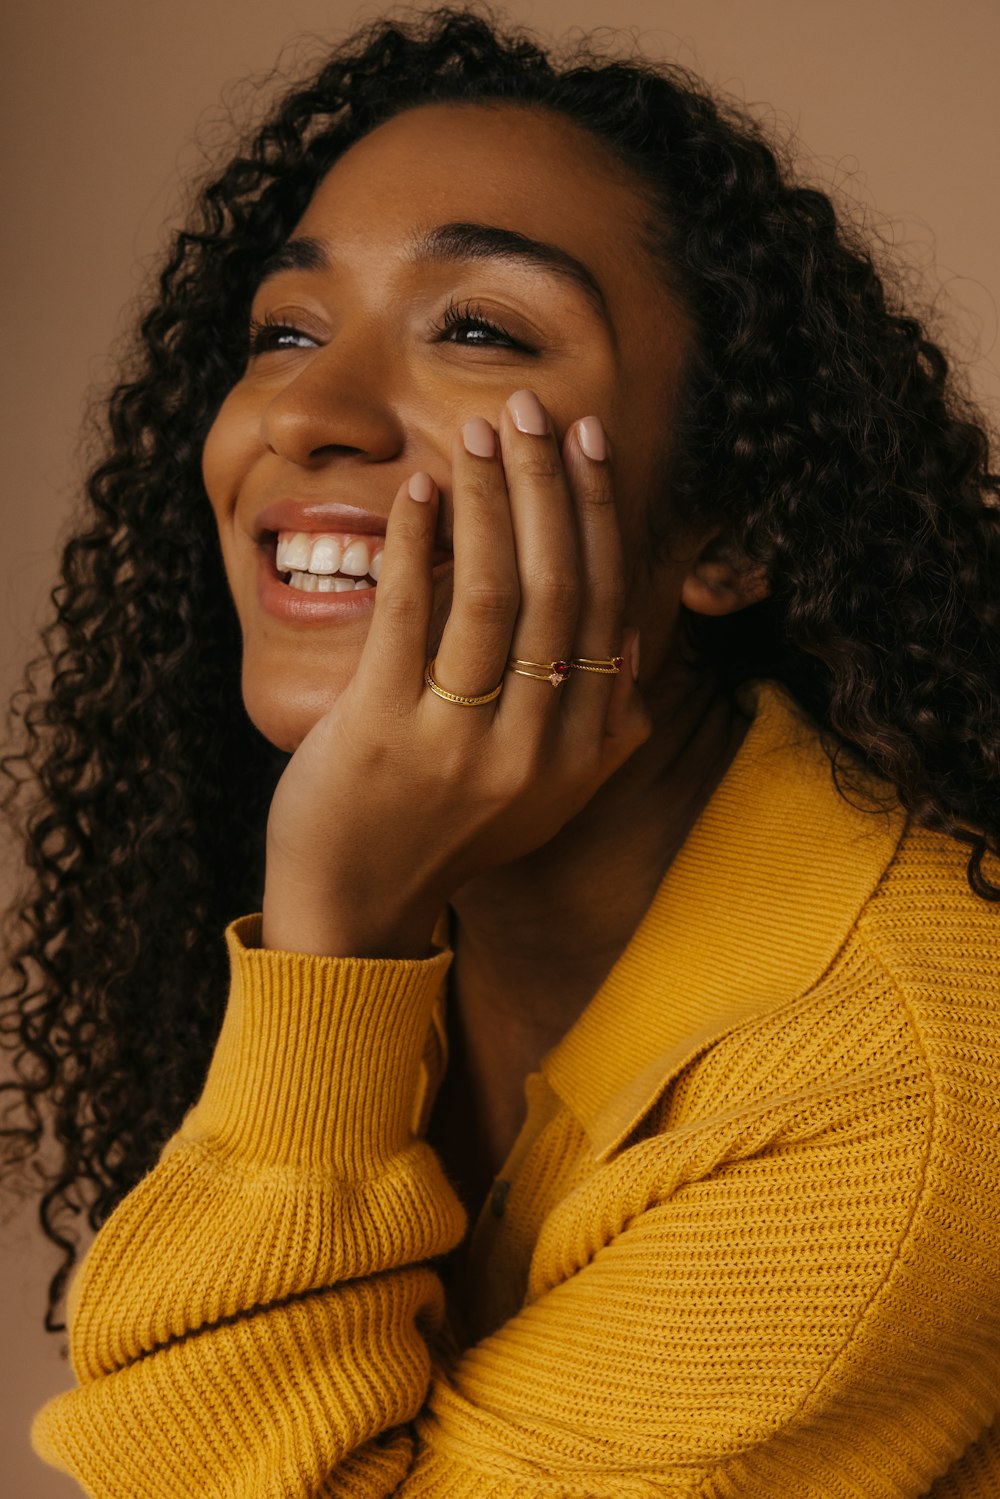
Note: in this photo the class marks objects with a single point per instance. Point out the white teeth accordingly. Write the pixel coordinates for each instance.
(356, 559)
(325, 563)
(320, 583)
(293, 552)
(326, 555)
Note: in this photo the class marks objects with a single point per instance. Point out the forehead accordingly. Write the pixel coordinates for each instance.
(524, 169)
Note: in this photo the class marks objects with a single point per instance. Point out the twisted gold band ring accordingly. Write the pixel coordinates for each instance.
(604, 666)
(458, 697)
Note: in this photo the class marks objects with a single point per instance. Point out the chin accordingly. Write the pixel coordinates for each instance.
(285, 716)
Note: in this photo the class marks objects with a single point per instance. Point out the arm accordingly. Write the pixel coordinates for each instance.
(255, 1309)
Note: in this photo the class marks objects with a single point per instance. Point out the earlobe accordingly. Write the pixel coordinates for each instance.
(718, 582)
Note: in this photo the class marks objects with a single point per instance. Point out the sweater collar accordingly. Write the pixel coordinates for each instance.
(751, 913)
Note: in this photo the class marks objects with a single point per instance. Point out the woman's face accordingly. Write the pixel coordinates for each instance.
(457, 254)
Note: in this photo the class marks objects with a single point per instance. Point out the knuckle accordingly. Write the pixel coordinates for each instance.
(480, 488)
(492, 598)
(410, 529)
(396, 603)
(543, 466)
(560, 589)
(520, 777)
(597, 496)
(608, 594)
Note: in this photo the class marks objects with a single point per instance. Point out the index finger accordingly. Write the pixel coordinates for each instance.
(395, 651)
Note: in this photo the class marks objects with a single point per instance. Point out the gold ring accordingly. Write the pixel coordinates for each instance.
(555, 672)
(458, 697)
(604, 666)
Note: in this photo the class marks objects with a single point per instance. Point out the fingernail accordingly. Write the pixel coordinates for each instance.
(633, 652)
(421, 487)
(479, 438)
(592, 439)
(526, 409)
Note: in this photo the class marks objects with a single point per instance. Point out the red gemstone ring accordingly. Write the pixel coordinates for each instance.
(555, 672)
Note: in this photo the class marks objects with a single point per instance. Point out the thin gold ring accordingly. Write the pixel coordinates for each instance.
(555, 672)
(458, 697)
(604, 666)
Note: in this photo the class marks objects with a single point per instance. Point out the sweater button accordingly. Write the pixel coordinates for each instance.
(498, 1197)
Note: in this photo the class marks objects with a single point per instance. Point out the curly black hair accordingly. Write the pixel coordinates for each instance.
(820, 428)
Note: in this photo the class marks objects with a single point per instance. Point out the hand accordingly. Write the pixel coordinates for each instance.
(396, 798)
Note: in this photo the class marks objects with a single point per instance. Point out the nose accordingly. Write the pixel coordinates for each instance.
(339, 403)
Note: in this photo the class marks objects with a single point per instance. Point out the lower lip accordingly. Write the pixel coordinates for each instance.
(281, 601)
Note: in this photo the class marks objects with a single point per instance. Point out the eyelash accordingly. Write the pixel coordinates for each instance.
(468, 317)
(267, 333)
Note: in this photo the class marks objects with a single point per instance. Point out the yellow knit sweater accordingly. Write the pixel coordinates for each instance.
(747, 1244)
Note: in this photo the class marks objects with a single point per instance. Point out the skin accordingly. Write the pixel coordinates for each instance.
(552, 813)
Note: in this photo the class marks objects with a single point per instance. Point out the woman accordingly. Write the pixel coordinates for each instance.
(581, 499)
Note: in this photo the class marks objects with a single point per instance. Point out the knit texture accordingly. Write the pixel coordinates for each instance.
(747, 1243)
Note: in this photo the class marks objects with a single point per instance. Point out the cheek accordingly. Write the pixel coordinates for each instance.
(229, 450)
(654, 580)
(641, 493)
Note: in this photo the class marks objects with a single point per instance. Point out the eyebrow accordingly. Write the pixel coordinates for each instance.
(457, 242)
(489, 242)
(302, 254)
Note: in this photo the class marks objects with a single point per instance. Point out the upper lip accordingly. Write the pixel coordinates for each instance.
(317, 516)
(322, 516)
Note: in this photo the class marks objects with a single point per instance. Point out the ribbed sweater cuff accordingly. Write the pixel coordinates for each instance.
(317, 1062)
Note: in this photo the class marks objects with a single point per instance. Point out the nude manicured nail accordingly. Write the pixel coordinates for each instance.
(421, 487)
(592, 439)
(479, 438)
(526, 409)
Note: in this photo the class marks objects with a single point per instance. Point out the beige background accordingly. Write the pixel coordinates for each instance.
(102, 100)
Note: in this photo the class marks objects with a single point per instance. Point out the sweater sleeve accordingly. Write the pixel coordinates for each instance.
(259, 1305)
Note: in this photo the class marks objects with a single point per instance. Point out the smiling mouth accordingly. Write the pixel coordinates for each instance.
(328, 561)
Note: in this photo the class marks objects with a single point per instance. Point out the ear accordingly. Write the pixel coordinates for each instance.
(718, 581)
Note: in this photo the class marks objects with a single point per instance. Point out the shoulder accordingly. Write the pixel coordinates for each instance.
(927, 926)
(905, 1017)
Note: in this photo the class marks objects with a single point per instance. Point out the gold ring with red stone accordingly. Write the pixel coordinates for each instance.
(555, 672)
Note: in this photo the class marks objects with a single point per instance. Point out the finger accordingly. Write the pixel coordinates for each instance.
(599, 625)
(544, 523)
(395, 651)
(475, 643)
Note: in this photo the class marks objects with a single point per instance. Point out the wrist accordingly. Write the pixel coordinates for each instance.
(293, 920)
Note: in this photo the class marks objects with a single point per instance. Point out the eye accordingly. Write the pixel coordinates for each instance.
(267, 334)
(466, 324)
